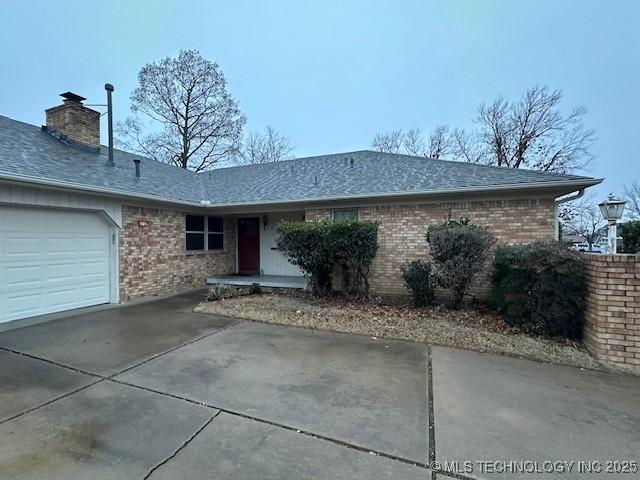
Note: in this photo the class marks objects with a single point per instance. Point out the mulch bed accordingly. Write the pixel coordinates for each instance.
(472, 328)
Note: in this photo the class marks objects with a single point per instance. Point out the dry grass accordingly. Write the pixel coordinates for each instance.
(478, 330)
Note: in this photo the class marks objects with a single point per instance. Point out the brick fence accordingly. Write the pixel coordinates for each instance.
(612, 315)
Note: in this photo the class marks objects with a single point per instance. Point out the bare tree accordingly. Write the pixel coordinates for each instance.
(583, 219)
(390, 142)
(529, 133)
(533, 133)
(496, 130)
(467, 147)
(193, 121)
(413, 143)
(440, 142)
(632, 196)
(265, 147)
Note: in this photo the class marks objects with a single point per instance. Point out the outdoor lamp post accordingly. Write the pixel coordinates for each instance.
(612, 209)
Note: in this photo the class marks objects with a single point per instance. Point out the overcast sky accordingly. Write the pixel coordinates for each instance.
(330, 74)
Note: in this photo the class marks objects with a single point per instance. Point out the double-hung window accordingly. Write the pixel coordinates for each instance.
(204, 233)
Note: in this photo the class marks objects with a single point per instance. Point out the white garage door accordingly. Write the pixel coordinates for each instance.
(51, 260)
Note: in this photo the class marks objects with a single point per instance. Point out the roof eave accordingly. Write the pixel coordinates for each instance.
(58, 184)
(550, 186)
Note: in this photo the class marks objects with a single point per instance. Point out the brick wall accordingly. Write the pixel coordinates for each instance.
(612, 315)
(402, 231)
(317, 214)
(154, 260)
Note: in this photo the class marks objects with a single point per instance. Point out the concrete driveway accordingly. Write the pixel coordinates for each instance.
(156, 391)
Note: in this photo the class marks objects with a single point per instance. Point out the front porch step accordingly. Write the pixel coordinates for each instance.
(273, 281)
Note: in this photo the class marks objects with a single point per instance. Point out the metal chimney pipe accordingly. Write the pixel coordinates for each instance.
(109, 88)
(137, 163)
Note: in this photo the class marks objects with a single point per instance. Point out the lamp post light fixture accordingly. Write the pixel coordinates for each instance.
(612, 209)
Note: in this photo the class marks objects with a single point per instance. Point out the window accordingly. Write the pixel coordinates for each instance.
(195, 232)
(204, 233)
(215, 233)
(345, 214)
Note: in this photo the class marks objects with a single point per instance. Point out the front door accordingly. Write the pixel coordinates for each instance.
(248, 245)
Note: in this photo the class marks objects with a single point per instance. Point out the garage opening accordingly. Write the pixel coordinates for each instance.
(51, 261)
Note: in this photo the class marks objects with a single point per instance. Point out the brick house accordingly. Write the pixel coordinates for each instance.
(77, 230)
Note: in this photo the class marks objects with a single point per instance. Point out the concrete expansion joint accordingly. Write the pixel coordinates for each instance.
(187, 442)
(307, 433)
(172, 349)
(431, 414)
(52, 362)
(99, 378)
(111, 378)
(38, 407)
(432, 429)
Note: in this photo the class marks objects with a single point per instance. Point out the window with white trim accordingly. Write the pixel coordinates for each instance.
(204, 233)
(341, 214)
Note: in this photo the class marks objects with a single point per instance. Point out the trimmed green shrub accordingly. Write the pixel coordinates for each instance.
(306, 245)
(354, 245)
(417, 278)
(316, 247)
(630, 232)
(540, 287)
(447, 225)
(459, 251)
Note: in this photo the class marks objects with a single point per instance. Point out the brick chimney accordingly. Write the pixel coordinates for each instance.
(77, 122)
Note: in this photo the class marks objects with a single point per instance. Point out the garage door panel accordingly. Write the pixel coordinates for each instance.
(20, 305)
(22, 276)
(61, 299)
(51, 260)
(90, 246)
(61, 272)
(18, 248)
(17, 222)
(60, 246)
(89, 295)
(91, 267)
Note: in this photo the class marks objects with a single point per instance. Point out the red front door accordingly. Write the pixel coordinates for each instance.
(248, 245)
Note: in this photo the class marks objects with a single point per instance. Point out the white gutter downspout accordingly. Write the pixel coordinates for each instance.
(559, 201)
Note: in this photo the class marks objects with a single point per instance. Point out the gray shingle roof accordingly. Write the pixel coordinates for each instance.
(27, 151)
(362, 173)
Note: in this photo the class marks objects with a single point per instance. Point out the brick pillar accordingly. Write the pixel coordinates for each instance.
(612, 313)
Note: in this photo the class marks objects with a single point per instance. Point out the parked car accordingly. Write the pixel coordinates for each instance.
(584, 247)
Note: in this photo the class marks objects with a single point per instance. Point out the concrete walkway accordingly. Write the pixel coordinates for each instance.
(156, 391)
(274, 281)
